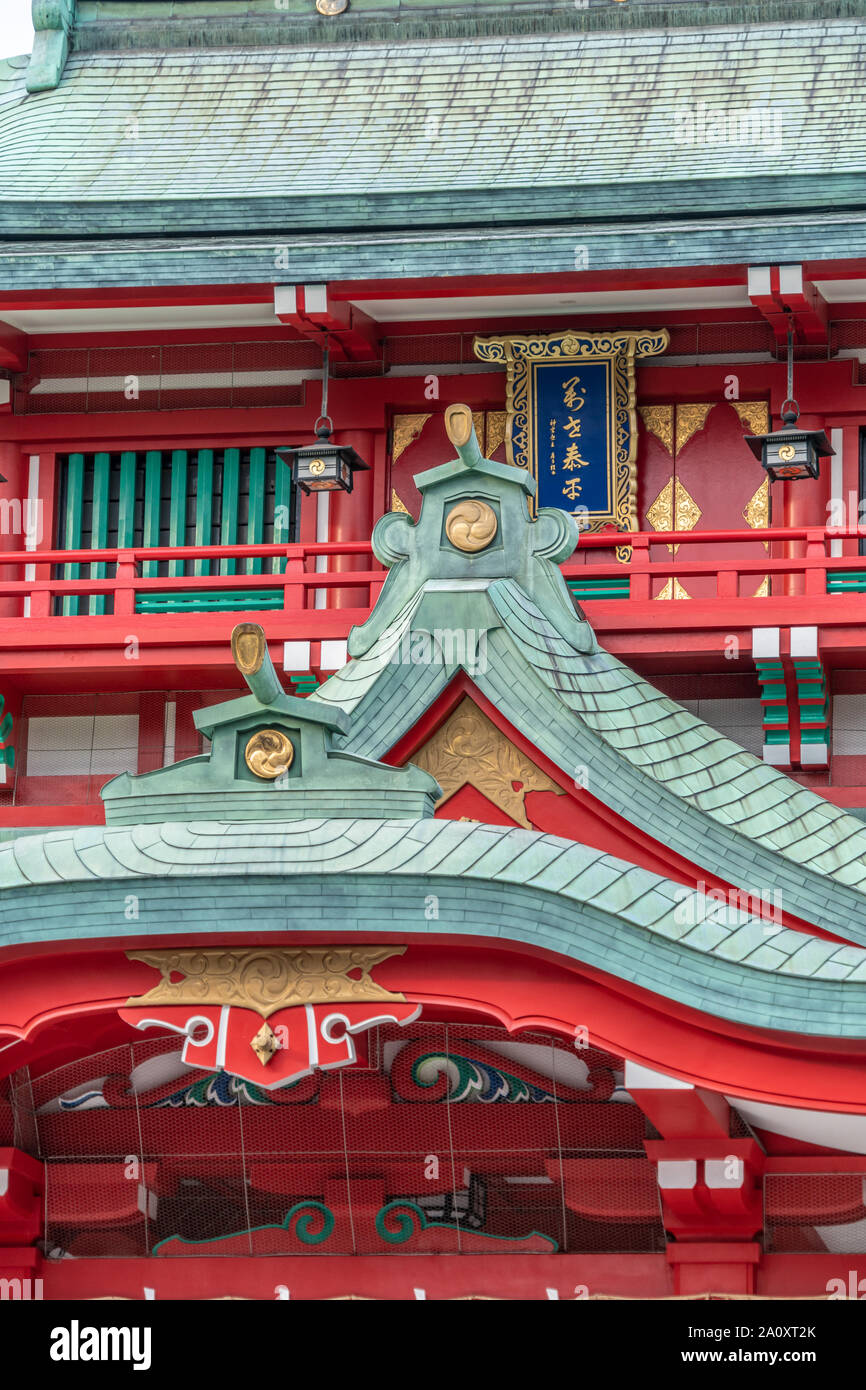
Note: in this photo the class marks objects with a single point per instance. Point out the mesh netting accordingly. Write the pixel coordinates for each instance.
(815, 1211)
(441, 1139)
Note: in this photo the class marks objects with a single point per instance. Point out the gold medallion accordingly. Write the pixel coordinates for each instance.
(471, 525)
(317, 467)
(787, 452)
(269, 753)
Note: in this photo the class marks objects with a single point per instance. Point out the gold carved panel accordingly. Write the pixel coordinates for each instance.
(468, 748)
(267, 979)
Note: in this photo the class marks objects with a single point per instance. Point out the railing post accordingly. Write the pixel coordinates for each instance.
(293, 594)
(40, 603)
(816, 575)
(639, 579)
(727, 584)
(124, 585)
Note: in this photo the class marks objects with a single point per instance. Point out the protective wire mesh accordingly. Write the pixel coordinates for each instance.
(440, 1139)
(806, 1212)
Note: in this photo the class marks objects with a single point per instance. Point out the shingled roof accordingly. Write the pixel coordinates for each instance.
(564, 129)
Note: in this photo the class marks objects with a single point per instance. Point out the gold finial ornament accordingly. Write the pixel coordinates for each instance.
(458, 424)
(248, 648)
(265, 1044)
(269, 753)
(471, 525)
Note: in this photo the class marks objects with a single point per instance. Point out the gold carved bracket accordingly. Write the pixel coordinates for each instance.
(267, 979)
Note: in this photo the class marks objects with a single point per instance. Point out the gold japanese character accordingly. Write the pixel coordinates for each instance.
(569, 394)
(572, 489)
(573, 459)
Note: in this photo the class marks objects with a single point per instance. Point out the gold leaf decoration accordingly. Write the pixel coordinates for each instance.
(755, 415)
(468, 748)
(497, 421)
(659, 420)
(673, 589)
(266, 979)
(674, 510)
(406, 430)
(478, 422)
(397, 505)
(690, 419)
(660, 514)
(687, 513)
(757, 510)
(763, 589)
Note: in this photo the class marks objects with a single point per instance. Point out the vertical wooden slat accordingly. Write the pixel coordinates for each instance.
(229, 508)
(256, 521)
(126, 501)
(203, 506)
(72, 523)
(152, 499)
(177, 508)
(282, 511)
(99, 523)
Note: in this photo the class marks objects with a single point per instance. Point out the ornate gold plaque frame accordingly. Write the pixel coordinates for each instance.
(519, 352)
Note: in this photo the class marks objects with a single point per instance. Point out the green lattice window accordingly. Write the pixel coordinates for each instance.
(172, 497)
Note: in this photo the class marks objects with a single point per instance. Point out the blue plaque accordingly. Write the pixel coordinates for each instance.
(571, 418)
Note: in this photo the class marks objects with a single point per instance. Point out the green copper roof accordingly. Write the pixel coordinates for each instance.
(488, 881)
(638, 752)
(200, 139)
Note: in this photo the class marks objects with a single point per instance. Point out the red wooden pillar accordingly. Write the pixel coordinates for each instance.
(804, 504)
(13, 493)
(352, 517)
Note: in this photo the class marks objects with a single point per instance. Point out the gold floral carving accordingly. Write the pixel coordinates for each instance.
(471, 525)
(659, 420)
(397, 505)
(660, 513)
(268, 979)
(406, 430)
(763, 589)
(674, 510)
(496, 426)
(269, 753)
(478, 422)
(469, 749)
(757, 510)
(690, 419)
(755, 415)
(673, 589)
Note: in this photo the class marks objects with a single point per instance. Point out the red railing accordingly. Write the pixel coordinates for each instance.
(804, 572)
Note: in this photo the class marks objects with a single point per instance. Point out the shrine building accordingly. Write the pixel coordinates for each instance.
(432, 658)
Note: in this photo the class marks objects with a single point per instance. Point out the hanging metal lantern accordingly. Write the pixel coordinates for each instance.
(789, 454)
(323, 466)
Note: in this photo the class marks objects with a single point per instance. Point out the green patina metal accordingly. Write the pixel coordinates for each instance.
(321, 781)
(420, 119)
(53, 21)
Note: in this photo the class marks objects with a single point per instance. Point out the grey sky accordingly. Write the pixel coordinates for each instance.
(16, 29)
